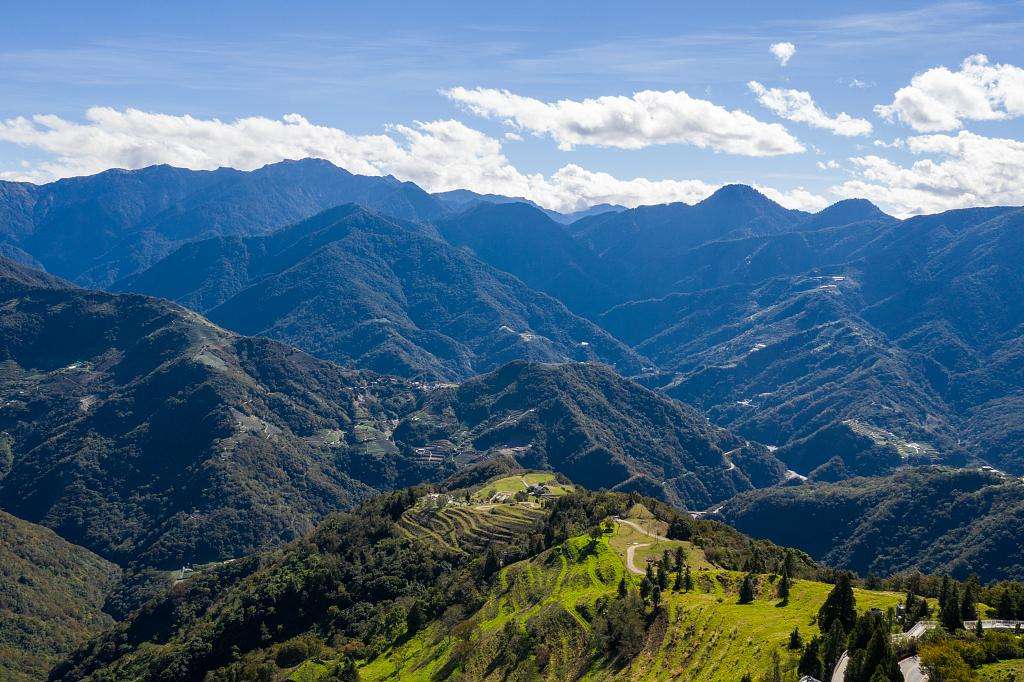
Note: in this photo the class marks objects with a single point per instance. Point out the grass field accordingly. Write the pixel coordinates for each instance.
(514, 484)
(704, 634)
(1004, 671)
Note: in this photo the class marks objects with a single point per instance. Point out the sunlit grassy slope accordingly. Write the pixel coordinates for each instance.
(700, 635)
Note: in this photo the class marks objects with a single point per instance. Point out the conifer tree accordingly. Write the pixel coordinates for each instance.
(680, 558)
(840, 605)
(795, 640)
(747, 589)
(969, 603)
(687, 579)
(623, 588)
(784, 586)
(950, 614)
(678, 584)
(810, 660)
(662, 578)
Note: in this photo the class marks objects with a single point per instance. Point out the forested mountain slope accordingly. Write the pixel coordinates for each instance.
(96, 229)
(938, 520)
(51, 597)
(381, 591)
(142, 431)
(360, 288)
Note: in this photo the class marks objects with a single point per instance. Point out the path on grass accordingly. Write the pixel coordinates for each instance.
(629, 558)
(632, 548)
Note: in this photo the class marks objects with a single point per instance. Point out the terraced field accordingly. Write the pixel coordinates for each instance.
(471, 527)
(701, 635)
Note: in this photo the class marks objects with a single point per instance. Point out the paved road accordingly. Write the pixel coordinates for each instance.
(640, 529)
(911, 669)
(839, 674)
(629, 558)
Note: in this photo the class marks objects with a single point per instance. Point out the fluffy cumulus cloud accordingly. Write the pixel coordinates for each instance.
(438, 155)
(960, 171)
(799, 106)
(647, 118)
(940, 99)
(783, 52)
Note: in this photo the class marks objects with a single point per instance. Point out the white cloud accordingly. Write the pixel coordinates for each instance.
(859, 84)
(897, 143)
(799, 106)
(963, 170)
(513, 137)
(831, 164)
(437, 155)
(783, 52)
(939, 99)
(647, 118)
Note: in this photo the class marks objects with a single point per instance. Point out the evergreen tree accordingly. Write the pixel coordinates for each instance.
(810, 661)
(840, 605)
(1006, 608)
(649, 571)
(662, 578)
(783, 589)
(943, 592)
(795, 640)
(678, 584)
(875, 658)
(623, 588)
(680, 558)
(646, 586)
(969, 603)
(833, 645)
(656, 596)
(950, 614)
(687, 579)
(415, 618)
(666, 561)
(979, 629)
(747, 589)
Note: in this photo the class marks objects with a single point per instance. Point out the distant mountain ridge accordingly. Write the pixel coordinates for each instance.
(359, 288)
(96, 229)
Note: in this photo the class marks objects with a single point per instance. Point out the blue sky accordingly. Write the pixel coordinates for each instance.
(369, 81)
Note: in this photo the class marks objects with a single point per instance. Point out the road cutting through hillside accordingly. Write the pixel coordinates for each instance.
(632, 548)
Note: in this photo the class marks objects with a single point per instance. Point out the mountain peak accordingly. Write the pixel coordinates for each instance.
(845, 212)
(736, 193)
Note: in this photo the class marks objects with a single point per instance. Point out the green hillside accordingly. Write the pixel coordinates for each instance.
(51, 596)
(520, 577)
(545, 609)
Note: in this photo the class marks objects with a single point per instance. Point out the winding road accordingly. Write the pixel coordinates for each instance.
(636, 545)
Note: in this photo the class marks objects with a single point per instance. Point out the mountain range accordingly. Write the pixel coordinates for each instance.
(198, 367)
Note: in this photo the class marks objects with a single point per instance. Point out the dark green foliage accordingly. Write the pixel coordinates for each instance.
(795, 640)
(687, 580)
(950, 615)
(51, 596)
(748, 589)
(969, 600)
(862, 524)
(871, 653)
(587, 422)
(915, 609)
(783, 588)
(359, 288)
(620, 628)
(353, 579)
(811, 660)
(150, 436)
(840, 606)
(833, 644)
